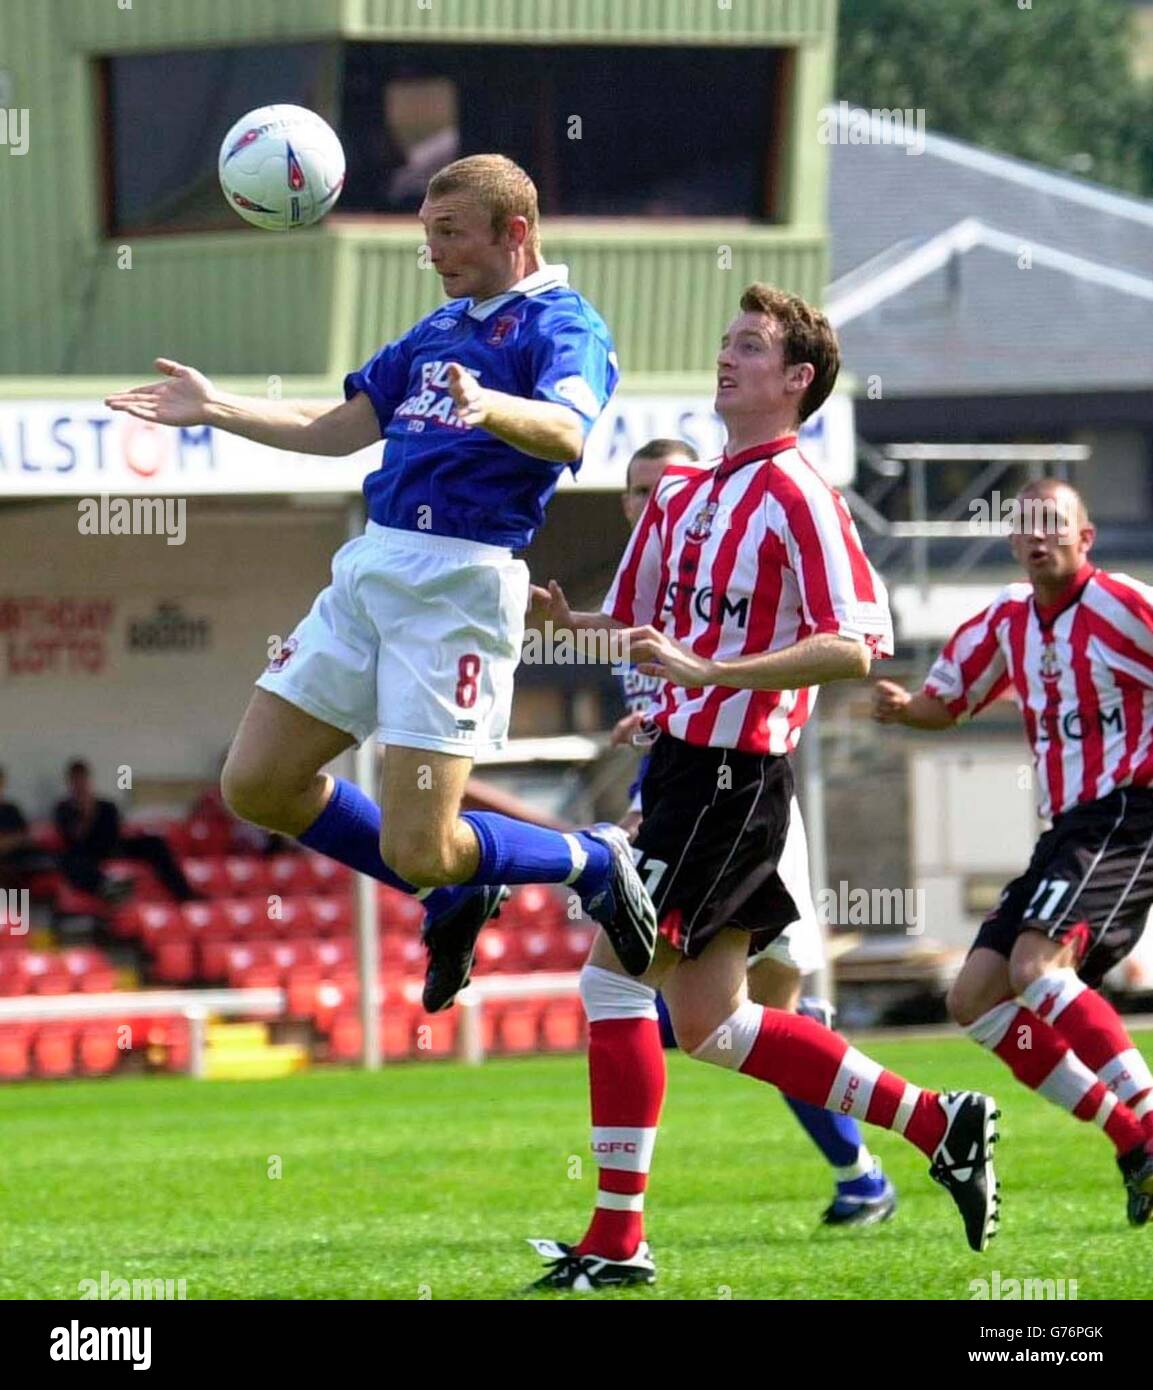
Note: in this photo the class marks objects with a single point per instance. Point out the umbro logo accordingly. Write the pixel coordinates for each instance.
(445, 321)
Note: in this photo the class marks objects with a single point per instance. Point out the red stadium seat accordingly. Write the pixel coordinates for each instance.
(401, 952)
(538, 949)
(327, 875)
(101, 980)
(498, 951)
(247, 876)
(206, 874)
(168, 1042)
(205, 835)
(573, 943)
(174, 961)
(156, 921)
(289, 875)
(301, 984)
(535, 906)
(331, 916)
(562, 1025)
(15, 1058)
(519, 1025)
(329, 954)
(346, 1038)
(54, 1048)
(246, 917)
(398, 911)
(146, 887)
(54, 980)
(97, 1052)
(72, 902)
(436, 1034)
(398, 1023)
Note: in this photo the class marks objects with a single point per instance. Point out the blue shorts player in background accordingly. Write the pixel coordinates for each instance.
(482, 405)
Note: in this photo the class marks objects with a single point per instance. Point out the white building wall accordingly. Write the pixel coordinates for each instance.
(248, 574)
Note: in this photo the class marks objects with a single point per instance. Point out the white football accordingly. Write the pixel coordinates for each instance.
(281, 167)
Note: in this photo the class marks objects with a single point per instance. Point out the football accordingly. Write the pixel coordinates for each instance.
(281, 167)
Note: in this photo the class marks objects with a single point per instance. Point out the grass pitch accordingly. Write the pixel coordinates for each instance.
(423, 1181)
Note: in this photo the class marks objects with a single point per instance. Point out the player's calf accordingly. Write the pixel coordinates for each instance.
(806, 1060)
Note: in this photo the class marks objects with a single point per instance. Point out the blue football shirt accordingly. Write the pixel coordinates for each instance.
(539, 340)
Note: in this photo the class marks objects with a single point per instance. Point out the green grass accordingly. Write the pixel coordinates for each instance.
(425, 1179)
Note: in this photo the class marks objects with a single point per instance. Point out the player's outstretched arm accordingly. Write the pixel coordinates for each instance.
(551, 604)
(814, 660)
(542, 429)
(893, 704)
(187, 397)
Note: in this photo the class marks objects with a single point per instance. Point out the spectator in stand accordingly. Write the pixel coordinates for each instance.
(19, 853)
(91, 832)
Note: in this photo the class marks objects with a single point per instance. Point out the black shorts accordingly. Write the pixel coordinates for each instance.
(714, 827)
(1090, 880)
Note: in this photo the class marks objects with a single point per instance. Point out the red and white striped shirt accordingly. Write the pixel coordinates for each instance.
(746, 556)
(1082, 678)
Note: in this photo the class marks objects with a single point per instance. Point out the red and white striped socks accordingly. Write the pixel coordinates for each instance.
(1023, 1034)
(1093, 1029)
(627, 1088)
(806, 1060)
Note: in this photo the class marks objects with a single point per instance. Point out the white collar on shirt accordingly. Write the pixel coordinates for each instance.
(548, 277)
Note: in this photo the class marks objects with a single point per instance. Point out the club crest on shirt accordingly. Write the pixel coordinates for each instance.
(278, 663)
(502, 330)
(701, 526)
(1050, 663)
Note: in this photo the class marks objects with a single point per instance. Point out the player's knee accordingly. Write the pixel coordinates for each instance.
(1027, 971)
(423, 863)
(249, 796)
(723, 1036)
(969, 1000)
(959, 1003)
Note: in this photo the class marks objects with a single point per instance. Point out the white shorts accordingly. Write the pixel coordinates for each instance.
(800, 945)
(416, 640)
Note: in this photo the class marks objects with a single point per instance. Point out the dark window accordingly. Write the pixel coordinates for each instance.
(609, 132)
(168, 113)
(605, 131)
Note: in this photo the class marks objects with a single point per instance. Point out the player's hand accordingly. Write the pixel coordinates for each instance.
(551, 604)
(468, 396)
(182, 398)
(630, 823)
(889, 701)
(624, 729)
(656, 654)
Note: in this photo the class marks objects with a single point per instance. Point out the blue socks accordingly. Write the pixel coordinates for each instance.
(511, 851)
(348, 830)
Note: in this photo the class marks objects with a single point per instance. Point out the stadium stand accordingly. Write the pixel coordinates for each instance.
(284, 921)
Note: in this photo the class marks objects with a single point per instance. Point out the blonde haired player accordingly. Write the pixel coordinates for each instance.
(482, 405)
